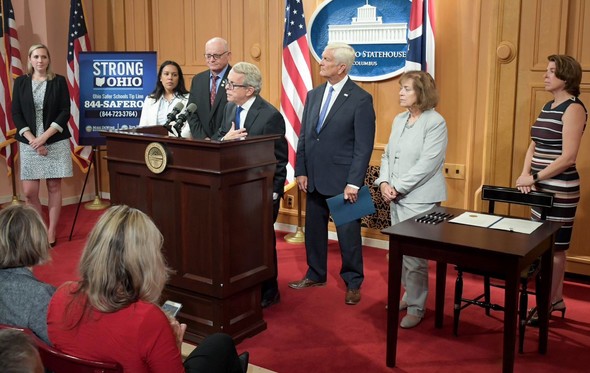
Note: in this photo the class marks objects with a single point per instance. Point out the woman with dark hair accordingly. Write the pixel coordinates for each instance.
(550, 161)
(170, 90)
(112, 313)
(41, 111)
(23, 244)
(18, 353)
(411, 178)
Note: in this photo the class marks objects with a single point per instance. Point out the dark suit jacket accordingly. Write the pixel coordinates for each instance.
(340, 153)
(206, 120)
(56, 107)
(262, 119)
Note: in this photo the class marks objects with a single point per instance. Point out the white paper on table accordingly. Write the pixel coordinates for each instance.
(476, 219)
(517, 225)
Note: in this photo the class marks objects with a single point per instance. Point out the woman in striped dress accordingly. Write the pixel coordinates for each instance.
(550, 162)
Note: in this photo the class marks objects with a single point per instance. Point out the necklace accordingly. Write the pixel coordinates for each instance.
(409, 125)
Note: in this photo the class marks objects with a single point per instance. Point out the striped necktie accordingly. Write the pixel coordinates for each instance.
(213, 89)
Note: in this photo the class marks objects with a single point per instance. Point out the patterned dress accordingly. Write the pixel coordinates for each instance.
(57, 163)
(546, 132)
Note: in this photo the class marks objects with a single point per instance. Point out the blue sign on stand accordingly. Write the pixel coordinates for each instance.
(376, 29)
(113, 87)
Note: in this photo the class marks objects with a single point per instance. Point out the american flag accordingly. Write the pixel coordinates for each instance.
(78, 41)
(10, 67)
(421, 37)
(296, 78)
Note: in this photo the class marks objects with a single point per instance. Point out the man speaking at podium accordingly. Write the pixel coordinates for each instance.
(248, 114)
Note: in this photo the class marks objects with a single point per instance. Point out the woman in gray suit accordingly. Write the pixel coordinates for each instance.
(411, 177)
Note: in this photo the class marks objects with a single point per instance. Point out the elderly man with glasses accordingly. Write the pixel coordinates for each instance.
(248, 114)
(208, 91)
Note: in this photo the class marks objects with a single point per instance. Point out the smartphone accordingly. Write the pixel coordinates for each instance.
(171, 308)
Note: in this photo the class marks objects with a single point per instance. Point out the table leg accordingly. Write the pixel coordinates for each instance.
(510, 316)
(439, 305)
(543, 295)
(393, 298)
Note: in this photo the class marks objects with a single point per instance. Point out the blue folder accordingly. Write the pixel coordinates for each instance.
(344, 212)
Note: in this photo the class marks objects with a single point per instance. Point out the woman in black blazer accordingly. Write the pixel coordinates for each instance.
(41, 111)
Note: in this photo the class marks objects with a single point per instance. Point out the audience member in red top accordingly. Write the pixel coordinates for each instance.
(111, 314)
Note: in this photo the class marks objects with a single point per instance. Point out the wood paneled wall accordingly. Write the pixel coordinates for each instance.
(490, 57)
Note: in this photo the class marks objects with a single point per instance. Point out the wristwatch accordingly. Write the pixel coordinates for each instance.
(536, 176)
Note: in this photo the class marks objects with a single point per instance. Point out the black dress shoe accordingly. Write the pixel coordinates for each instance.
(244, 361)
(305, 283)
(269, 300)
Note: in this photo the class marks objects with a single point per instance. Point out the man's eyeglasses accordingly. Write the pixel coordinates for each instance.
(231, 85)
(214, 56)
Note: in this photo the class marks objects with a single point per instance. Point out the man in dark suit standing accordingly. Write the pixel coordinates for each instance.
(248, 114)
(208, 91)
(333, 153)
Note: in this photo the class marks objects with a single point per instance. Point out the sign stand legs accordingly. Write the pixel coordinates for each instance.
(97, 202)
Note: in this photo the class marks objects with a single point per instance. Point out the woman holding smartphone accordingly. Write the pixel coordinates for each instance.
(117, 317)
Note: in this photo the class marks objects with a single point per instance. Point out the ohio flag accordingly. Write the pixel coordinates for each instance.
(421, 37)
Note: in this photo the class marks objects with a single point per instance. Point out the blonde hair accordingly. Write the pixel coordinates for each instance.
(23, 237)
(122, 261)
(30, 70)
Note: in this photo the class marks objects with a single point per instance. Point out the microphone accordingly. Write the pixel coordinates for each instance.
(182, 117)
(172, 115)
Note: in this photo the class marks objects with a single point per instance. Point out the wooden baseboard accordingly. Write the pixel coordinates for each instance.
(578, 265)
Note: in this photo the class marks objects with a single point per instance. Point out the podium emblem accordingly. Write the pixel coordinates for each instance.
(156, 158)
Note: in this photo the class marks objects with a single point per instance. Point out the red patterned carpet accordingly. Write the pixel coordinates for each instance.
(312, 330)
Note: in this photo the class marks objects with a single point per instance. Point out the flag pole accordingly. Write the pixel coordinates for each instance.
(294, 87)
(298, 236)
(97, 203)
(15, 200)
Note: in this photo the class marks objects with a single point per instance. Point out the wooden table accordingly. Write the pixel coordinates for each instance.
(487, 249)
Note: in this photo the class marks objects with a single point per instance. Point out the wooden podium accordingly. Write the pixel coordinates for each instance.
(212, 201)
